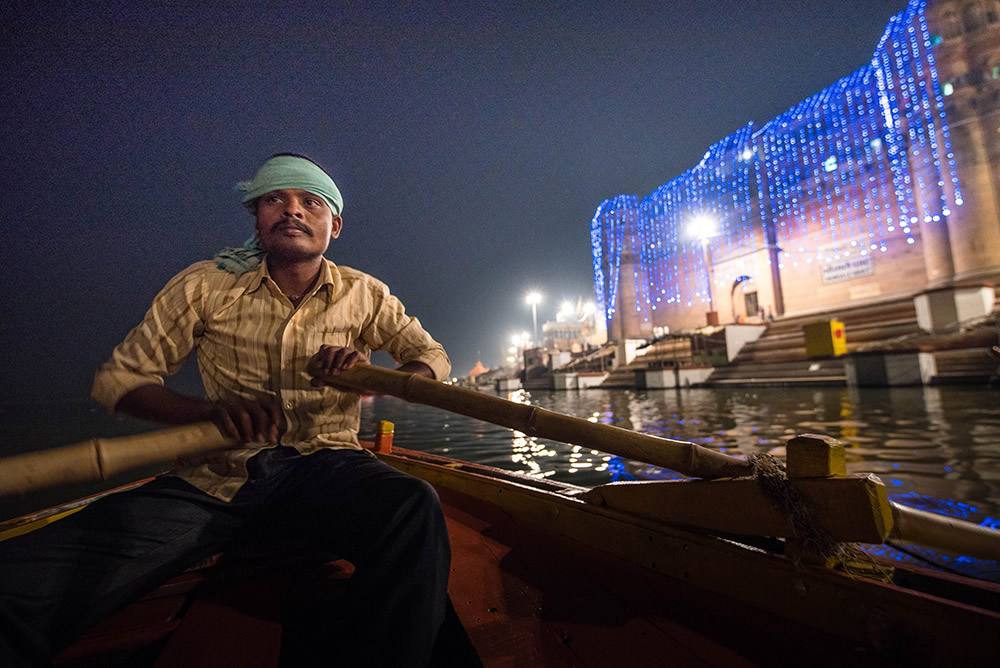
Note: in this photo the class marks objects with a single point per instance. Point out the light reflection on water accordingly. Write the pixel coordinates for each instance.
(941, 442)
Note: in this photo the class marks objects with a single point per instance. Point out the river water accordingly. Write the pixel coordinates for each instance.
(936, 448)
(942, 443)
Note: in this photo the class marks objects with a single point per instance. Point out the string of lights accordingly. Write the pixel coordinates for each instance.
(849, 171)
(613, 218)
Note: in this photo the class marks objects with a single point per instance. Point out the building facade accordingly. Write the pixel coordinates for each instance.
(577, 328)
(884, 185)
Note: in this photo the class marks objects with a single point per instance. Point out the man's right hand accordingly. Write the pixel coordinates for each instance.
(248, 421)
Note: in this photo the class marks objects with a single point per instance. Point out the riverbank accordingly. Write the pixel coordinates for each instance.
(881, 344)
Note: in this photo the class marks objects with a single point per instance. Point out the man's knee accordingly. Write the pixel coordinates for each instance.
(419, 495)
(424, 492)
(418, 506)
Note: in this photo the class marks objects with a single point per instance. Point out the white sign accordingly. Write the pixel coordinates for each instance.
(846, 270)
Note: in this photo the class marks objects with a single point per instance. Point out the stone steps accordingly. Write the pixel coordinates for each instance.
(970, 365)
(821, 371)
(778, 357)
(784, 340)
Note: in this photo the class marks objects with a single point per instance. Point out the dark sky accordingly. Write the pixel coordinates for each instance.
(472, 143)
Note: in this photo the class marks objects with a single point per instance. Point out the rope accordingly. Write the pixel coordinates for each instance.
(773, 481)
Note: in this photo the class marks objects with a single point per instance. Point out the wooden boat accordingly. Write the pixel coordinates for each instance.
(550, 574)
(541, 577)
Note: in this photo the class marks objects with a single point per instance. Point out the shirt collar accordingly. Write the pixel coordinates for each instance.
(329, 279)
(252, 280)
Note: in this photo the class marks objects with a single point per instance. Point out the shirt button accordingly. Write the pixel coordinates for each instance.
(290, 404)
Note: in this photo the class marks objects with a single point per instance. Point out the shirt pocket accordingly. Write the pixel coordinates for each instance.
(308, 342)
(337, 337)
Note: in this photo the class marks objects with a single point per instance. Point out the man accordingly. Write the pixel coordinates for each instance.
(255, 316)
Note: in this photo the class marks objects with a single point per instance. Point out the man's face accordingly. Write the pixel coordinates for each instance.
(295, 224)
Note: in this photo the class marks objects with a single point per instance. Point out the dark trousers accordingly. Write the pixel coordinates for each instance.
(59, 580)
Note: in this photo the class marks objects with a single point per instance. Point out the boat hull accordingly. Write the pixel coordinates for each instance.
(542, 577)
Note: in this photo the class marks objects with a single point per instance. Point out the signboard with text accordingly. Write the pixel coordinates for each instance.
(849, 269)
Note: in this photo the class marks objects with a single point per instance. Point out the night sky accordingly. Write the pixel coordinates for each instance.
(472, 143)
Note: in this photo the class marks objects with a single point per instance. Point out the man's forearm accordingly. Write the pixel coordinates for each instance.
(418, 368)
(160, 404)
(245, 420)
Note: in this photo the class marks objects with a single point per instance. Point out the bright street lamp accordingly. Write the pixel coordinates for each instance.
(534, 299)
(703, 228)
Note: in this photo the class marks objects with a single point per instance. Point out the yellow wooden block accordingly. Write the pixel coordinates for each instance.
(825, 339)
(849, 509)
(815, 456)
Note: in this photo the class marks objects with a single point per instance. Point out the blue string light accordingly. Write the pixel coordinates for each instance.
(852, 170)
(607, 234)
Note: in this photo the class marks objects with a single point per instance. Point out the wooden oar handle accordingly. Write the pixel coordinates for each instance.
(101, 458)
(687, 458)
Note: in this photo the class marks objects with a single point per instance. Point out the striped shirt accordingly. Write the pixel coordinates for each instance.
(253, 344)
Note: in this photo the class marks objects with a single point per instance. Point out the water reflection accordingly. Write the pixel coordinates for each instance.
(940, 442)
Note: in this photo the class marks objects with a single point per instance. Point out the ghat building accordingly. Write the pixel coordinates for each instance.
(883, 186)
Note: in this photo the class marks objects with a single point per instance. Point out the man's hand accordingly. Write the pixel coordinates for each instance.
(248, 421)
(330, 361)
(245, 420)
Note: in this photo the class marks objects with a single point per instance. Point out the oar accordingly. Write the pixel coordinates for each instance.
(920, 527)
(687, 458)
(101, 458)
(98, 459)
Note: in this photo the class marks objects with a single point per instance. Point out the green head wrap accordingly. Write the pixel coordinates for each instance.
(286, 171)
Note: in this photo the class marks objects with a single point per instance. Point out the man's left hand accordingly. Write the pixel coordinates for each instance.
(330, 361)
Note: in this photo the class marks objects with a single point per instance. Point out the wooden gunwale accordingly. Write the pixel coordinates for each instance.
(16, 526)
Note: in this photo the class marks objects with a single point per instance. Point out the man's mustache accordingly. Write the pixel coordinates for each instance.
(290, 222)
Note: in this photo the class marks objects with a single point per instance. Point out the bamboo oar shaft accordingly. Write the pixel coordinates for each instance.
(687, 458)
(101, 458)
(945, 533)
